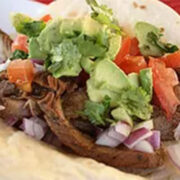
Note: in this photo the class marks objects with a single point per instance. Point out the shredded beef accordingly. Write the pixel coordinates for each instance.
(73, 102)
(14, 108)
(62, 118)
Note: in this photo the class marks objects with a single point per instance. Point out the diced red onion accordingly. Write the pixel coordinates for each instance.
(145, 124)
(105, 140)
(123, 128)
(114, 135)
(37, 61)
(137, 136)
(39, 68)
(4, 65)
(177, 133)
(35, 127)
(144, 146)
(173, 152)
(11, 121)
(155, 139)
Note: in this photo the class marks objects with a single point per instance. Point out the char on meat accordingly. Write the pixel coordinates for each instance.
(60, 114)
(60, 101)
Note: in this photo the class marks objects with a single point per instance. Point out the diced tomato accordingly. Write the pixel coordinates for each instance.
(21, 72)
(172, 60)
(46, 18)
(125, 50)
(20, 43)
(164, 80)
(129, 57)
(134, 49)
(133, 64)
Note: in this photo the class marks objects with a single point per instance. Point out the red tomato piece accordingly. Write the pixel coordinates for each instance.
(163, 82)
(20, 43)
(125, 50)
(21, 72)
(133, 64)
(134, 49)
(46, 18)
(172, 60)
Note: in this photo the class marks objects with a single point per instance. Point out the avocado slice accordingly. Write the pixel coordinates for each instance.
(146, 81)
(106, 79)
(134, 79)
(147, 48)
(34, 50)
(120, 114)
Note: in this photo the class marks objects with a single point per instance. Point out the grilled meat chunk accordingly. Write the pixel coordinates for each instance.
(56, 109)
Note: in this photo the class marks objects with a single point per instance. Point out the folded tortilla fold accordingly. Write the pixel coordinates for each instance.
(24, 158)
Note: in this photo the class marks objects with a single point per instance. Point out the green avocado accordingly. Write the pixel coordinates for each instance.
(71, 27)
(134, 79)
(91, 27)
(147, 48)
(34, 50)
(106, 79)
(146, 81)
(50, 36)
(120, 114)
(18, 19)
(114, 46)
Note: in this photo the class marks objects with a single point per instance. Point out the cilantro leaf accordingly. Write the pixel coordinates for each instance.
(18, 54)
(136, 102)
(97, 113)
(26, 25)
(150, 43)
(32, 29)
(88, 47)
(154, 39)
(65, 59)
(103, 15)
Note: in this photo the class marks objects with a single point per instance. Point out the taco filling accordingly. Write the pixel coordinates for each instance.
(90, 86)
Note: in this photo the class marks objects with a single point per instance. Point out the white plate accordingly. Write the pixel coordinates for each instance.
(31, 8)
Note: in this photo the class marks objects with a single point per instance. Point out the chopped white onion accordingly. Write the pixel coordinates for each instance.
(35, 127)
(137, 136)
(174, 154)
(155, 139)
(144, 146)
(177, 133)
(145, 124)
(4, 66)
(105, 140)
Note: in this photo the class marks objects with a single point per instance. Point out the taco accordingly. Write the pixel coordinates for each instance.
(106, 86)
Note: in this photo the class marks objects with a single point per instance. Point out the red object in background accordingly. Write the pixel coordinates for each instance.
(44, 1)
(175, 4)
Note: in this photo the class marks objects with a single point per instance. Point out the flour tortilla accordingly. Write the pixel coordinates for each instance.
(23, 158)
(127, 12)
